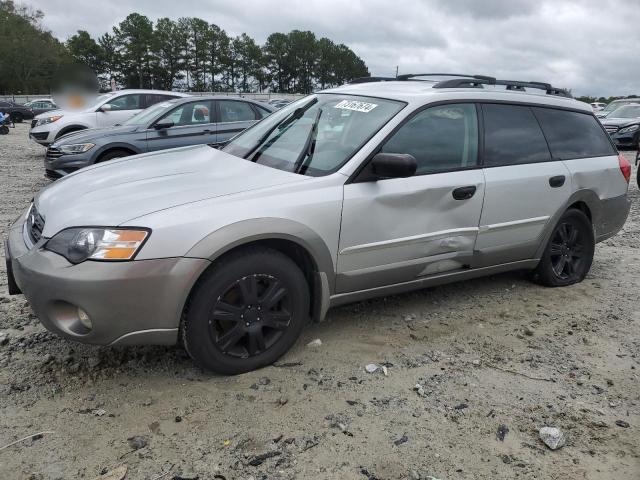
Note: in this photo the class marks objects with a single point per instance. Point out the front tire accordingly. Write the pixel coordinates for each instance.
(112, 155)
(17, 117)
(246, 312)
(568, 255)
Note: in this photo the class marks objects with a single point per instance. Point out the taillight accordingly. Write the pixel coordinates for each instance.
(625, 167)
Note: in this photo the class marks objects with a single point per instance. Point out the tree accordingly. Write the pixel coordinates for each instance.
(86, 50)
(29, 55)
(167, 49)
(277, 62)
(134, 36)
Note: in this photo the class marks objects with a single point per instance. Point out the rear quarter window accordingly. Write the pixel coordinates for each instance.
(573, 135)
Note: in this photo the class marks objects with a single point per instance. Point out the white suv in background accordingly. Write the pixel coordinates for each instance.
(107, 110)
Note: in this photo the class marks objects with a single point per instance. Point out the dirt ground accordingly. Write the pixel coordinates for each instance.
(498, 354)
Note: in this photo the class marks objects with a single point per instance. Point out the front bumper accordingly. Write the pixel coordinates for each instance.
(625, 139)
(66, 164)
(138, 302)
(41, 136)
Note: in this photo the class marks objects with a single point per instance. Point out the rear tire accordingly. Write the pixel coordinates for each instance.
(246, 312)
(112, 154)
(17, 117)
(568, 255)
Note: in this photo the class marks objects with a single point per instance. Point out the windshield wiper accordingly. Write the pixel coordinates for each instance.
(284, 123)
(300, 166)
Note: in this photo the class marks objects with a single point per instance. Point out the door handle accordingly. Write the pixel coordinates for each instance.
(464, 193)
(557, 181)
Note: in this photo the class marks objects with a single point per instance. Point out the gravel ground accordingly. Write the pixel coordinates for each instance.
(497, 359)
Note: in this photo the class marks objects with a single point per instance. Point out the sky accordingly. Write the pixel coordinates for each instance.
(589, 46)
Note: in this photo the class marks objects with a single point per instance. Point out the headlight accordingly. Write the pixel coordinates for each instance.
(629, 129)
(108, 244)
(76, 148)
(47, 120)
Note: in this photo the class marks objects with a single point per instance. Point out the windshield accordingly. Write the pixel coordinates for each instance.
(316, 135)
(149, 114)
(615, 105)
(628, 111)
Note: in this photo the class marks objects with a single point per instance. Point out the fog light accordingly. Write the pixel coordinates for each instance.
(84, 319)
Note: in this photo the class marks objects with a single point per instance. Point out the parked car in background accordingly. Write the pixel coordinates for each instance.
(623, 125)
(597, 106)
(174, 123)
(355, 192)
(41, 105)
(17, 112)
(606, 111)
(107, 110)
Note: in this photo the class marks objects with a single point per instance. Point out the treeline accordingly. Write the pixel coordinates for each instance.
(29, 55)
(588, 99)
(192, 54)
(187, 54)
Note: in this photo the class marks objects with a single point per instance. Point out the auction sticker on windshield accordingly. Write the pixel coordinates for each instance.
(363, 107)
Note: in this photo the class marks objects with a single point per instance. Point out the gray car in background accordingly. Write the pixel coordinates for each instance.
(175, 123)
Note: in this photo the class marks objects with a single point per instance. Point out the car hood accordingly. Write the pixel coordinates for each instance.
(113, 193)
(93, 135)
(618, 122)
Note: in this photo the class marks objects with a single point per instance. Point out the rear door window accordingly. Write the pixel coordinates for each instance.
(235, 111)
(512, 136)
(573, 135)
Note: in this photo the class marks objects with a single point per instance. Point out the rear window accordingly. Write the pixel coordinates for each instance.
(512, 136)
(573, 134)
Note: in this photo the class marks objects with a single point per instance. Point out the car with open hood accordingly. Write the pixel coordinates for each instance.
(623, 124)
(373, 188)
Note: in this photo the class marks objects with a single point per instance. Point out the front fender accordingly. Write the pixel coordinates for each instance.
(247, 231)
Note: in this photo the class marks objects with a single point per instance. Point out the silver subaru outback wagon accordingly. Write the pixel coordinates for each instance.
(369, 189)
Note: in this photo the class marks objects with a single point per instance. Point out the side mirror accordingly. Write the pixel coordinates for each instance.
(106, 107)
(164, 124)
(393, 165)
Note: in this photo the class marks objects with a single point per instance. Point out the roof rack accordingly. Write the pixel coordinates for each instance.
(372, 79)
(515, 85)
(471, 81)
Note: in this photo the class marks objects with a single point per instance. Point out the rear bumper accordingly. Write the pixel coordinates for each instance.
(137, 302)
(614, 215)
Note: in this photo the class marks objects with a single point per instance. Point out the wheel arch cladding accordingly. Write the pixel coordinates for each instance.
(584, 200)
(297, 241)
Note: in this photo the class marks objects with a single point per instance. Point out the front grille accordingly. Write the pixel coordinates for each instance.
(40, 135)
(35, 225)
(53, 153)
(611, 128)
(33, 123)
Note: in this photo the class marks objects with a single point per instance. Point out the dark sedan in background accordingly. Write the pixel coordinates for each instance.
(17, 112)
(175, 123)
(41, 105)
(623, 125)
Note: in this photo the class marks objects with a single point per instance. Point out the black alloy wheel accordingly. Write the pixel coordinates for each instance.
(246, 311)
(251, 316)
(569, 253)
